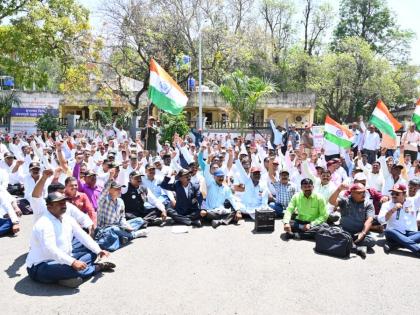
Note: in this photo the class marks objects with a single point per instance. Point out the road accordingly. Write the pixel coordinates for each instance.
(230, 270)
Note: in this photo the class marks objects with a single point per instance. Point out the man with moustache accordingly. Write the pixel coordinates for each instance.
(50, 258)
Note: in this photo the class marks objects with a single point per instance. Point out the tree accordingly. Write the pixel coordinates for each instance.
(373, 21)
(49, 122)
(317, 19)
(348, 83)
(11, 7)
(7, 100)
(173, 124)
(243, 93)
(50, 33)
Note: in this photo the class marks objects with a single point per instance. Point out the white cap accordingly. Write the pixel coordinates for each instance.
(360, 176)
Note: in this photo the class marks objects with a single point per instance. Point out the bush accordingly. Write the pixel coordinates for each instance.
(49, 122)
(173, 124)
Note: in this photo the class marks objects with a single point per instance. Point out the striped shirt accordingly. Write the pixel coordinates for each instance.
(110, 212)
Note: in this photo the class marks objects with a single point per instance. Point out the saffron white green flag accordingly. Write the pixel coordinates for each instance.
(386, 123)
(164, 92)
(416, 115)
(337, 134)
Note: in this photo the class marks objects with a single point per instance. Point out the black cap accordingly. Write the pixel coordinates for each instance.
(116, 185)
(306, 181)
(34, 165)
(90, 173)
(150, 166)
(136, 174)
(183, 172)
(9, 155)
(55, 197)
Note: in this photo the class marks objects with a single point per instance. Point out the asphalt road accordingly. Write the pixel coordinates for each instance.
(230, 270)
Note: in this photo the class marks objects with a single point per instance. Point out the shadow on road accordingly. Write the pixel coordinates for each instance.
(28, 287)
(17, 264)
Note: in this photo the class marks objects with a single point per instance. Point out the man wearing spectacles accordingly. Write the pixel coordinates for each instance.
(400, 215)
(357, 213)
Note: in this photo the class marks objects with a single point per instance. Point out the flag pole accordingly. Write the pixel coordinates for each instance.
(200, 90)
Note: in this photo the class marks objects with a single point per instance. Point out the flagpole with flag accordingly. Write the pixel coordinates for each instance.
(416, 115)
(386, 123)
(164, 92)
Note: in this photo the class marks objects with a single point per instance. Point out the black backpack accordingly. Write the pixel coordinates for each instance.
(333, 241)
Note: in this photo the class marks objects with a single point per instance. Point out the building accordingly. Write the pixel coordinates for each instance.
(298, 108)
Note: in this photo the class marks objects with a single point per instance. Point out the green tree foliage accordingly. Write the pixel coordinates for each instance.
(374, 22)
(50, 37)
(242, 93)
(173, 124)
(349, 82)
(49, 122)
(7, 100)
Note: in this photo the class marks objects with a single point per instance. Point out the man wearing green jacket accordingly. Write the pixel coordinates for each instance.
(311, 211)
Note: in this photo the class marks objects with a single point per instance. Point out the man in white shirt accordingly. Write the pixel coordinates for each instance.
(400, 217)
(411, 141)
(50, 258)
(375, 178)
(9, 221)
(371, 143)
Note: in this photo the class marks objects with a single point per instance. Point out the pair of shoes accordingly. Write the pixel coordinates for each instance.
(215, 223)
(168, 221)
(289, 236)
(106, 266)
(158, 222)
(361, 251)
(71, 283)
(140, 233)
(196, 223)
(370, 250)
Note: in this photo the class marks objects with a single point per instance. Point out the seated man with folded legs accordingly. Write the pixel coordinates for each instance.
(221, 206)
(140, 202)
(357, 213)
(188, 199)
(50, 258)
(311, 211)
(9, 221)
(400, 216)
(113, 229)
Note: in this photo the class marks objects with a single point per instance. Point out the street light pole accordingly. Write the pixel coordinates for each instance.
(200, 89)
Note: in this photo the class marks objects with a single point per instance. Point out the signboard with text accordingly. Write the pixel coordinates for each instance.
(32, 106)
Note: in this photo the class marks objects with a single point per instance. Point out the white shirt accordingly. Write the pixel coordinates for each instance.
(405, 220)
(39, 208)
(6, 206)
(372, 141)
(376, 181)
(389, 182)
(51, 240)
(29, 185)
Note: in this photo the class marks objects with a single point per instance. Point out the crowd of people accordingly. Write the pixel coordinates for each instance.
(92, 195)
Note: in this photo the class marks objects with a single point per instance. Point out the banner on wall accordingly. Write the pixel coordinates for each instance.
(32, 106)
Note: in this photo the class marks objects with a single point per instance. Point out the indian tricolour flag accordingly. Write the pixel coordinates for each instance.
(416, 115)
(164, 92)
(336, 133)
(386, 123)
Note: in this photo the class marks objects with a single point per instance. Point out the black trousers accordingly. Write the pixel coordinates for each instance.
(183, 219)
(371, 155)
(225, 219)
(413, 154)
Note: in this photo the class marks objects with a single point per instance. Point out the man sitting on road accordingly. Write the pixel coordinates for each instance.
(311, 211)
(140, 202)
(50, 258)
(400, 216)
(357, 215)
(188, 199)
(221, 205)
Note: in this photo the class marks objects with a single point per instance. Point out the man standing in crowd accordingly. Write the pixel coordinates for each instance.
(371, 143)
(411, 141)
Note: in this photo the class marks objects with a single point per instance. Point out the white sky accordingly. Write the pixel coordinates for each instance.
(407, 12)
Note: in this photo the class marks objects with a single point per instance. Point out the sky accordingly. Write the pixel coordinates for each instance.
(407, 12)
